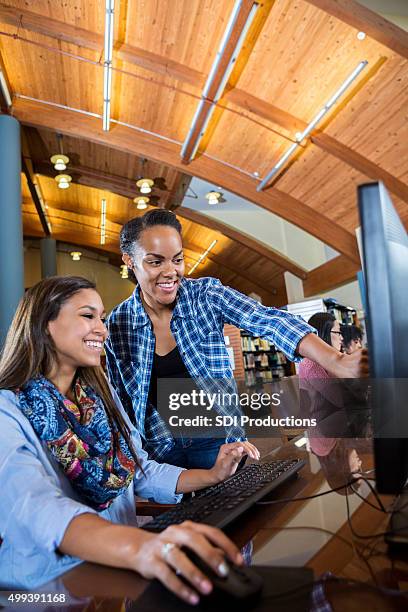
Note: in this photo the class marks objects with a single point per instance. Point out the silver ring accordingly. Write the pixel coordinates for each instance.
(166, 549)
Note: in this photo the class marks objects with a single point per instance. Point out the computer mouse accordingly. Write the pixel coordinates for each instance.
(242, 584)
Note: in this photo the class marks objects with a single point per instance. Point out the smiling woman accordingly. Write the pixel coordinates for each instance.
(71, 462)
(172, 327)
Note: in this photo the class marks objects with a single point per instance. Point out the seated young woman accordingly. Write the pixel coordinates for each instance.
(71, 462)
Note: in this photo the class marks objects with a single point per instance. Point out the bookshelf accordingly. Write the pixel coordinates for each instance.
(346, 315)
(263, 363)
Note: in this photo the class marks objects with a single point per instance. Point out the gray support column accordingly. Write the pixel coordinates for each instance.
(48, 249)
(11, 225)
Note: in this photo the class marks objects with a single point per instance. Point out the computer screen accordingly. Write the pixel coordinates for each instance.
(385, 266)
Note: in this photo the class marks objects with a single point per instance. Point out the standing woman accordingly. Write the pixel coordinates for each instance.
(71, 462)
(173, 327)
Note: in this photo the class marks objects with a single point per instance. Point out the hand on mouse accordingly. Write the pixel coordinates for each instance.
(229, 457)
(160, 556)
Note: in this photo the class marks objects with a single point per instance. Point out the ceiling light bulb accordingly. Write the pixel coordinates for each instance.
(141, 202)
(145, 188)
(145, 185)
(361, 35)
(213, 197)
(60, 161)
(63, 180)
(76, 255)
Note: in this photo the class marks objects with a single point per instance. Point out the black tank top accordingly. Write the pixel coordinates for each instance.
(166, 366)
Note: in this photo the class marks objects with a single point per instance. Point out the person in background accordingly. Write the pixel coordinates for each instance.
(339, 406)
(71, 462)
(173, 327)
(352, 338)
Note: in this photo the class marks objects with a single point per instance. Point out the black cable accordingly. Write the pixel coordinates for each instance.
(290, 499)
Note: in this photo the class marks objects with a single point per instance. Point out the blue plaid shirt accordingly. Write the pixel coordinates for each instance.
(202, 308)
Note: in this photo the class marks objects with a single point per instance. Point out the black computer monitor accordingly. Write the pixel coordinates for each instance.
(385, 265)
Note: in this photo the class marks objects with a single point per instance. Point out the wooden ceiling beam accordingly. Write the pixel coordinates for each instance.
(247, 241)
(330, 275)
(323, 141)
(362, 18)
(138, 143)
(243, 100)
(177, 194)
(219, 261)
(360, 163)
(53, 28)
(260, 108)
(92, 177)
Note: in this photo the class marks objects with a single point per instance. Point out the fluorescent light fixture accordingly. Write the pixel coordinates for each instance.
(103, 221)
(227, 72)
(5, 89)
(202, 257)
(107, 63)
(302, 135)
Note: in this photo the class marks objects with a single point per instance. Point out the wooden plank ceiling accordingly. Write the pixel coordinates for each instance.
(297, 53)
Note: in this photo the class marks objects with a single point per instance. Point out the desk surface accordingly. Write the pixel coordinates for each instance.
(312, 532)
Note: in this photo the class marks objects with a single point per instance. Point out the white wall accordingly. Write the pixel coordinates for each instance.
(348, 295)
(112, 288)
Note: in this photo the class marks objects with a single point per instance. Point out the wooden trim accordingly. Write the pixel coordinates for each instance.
(244, 239)
(330, 275)
(358, 16)
(360, 163)
(77, 124)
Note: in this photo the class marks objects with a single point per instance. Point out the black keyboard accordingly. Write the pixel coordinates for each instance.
(223, 503)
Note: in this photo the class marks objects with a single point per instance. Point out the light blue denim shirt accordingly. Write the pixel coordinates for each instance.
(38, 503)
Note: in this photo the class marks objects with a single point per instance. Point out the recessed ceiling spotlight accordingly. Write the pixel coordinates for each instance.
(361, 35)
(298, 136)
(256, 173)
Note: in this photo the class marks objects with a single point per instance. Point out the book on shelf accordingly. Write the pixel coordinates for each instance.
(262, 361)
